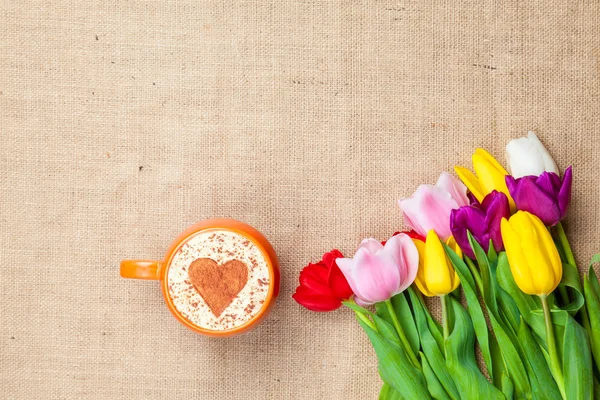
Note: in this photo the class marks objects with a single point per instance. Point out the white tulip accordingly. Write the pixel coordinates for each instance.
(528, 156)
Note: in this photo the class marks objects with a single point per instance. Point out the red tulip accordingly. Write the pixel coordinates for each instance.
(323, 287)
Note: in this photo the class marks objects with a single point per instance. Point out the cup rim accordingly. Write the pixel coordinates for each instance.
(231, 225)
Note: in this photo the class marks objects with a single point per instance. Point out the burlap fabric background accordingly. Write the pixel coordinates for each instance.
(123, 122)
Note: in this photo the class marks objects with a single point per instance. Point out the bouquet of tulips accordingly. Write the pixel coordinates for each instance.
(490, 246)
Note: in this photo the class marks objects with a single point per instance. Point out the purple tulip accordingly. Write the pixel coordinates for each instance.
(482, 220)
(546, 196)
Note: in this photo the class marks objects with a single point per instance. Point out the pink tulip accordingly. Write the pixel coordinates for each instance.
(378, 272)
(429, 208)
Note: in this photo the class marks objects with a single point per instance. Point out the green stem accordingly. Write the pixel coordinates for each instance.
(445, 322)
(562, 236)
(366, 320)
(401, 335)
(555, 365)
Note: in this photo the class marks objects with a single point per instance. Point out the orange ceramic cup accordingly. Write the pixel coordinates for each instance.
(215, 319)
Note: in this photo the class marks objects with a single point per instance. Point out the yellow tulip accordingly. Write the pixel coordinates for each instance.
(532, 254)
(490, 176)
(436, 275)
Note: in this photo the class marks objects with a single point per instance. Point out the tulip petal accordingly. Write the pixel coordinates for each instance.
(484, 157)
(564, 195)
(451, 242)
(394, 248)
(371, 245)
(376, 276)
(534, 260)
(496, 207)
(532, 239)
(491, 174)
(437, 273)
(524, 157)
(314, 277)
(511, 184)
(472, 218)
(405, 253)
(413, 225)
(471, 181)
(548, 161)
(335, 279)
(466, 219)
(519, 267)
(549, 250)
(527, 156)
(362, 302)
(531, 198)
(456, 188)
(346, 265)
(315, 302)
(412, 235)
(548, 182)
(420, 278)
(338, 283)
(429, 208)
(472, 199)
(330, 257)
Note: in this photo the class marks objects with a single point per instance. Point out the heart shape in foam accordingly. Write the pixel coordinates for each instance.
(218, 284)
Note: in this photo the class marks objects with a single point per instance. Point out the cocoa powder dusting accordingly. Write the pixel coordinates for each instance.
(215, 306)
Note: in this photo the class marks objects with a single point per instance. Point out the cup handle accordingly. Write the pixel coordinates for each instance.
(140, 269)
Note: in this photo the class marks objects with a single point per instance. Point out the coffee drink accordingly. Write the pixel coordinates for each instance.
(218, 279)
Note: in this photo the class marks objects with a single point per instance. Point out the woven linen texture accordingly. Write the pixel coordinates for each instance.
(123, 122)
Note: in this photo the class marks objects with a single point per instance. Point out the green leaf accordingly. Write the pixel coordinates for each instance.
(577, 362)
(433, 384)
(406, 320)
(525, 303)
(510, 348)
(434, 326)
(487, 275)
(436, 329)
(402, 310)
(558, 243)
(508, 388)
(542, 383)
(431, 350)
(509, 312)
(596, 389)
(460, 358)
(492, 255)
(474, 307)
(388, 393)
(498, 367)
(595, 260)
(386, 330)
(505, 334)
(355, 307)
(592, 303)
(571, 280)
(394, 366)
